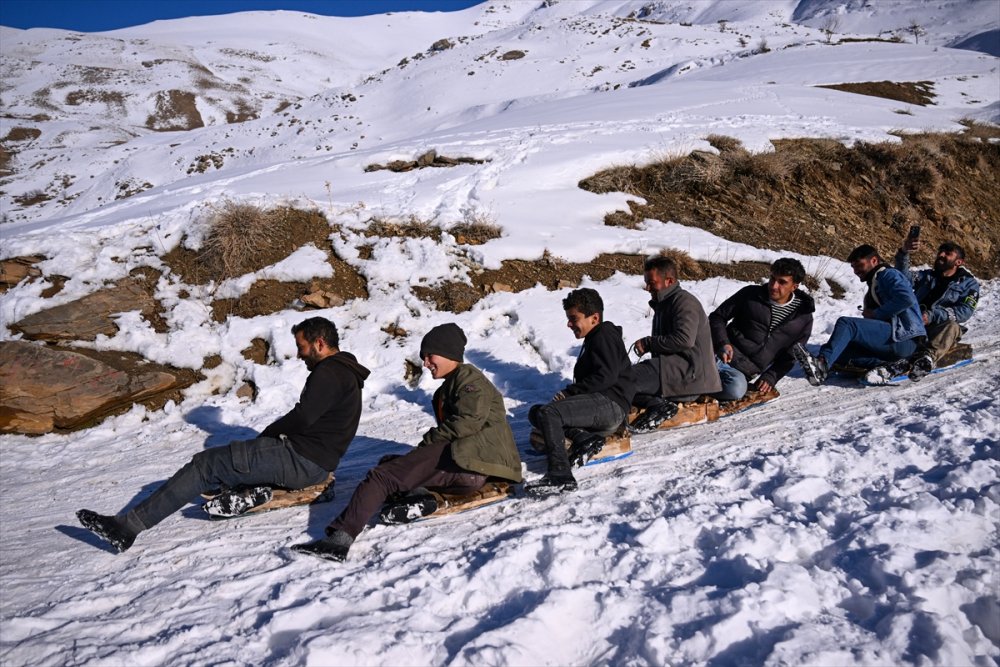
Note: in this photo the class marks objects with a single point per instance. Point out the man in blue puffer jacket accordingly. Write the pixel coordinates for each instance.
(891, 326)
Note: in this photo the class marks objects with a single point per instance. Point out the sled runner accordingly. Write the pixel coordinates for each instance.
(280, 498)
(618, 445)
(707, 409)
(423, 504)
(958, 356)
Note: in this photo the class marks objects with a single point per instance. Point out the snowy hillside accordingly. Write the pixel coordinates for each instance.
(835, 526)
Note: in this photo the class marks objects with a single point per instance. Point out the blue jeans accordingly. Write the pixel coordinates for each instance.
(734, 383)
(595, 413)
(268, 461)
(866, 342)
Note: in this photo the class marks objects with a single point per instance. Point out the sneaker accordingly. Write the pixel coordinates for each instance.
(333, 548)
(923, 365)
(884, 374)
(582, 452)
(651, 419)
(408, 508)
(815, 368)
(234, 502)
(550, 485)
(110, 528)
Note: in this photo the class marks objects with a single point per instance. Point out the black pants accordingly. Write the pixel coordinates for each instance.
(428, 466)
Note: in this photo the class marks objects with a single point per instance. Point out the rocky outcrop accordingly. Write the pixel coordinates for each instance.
(428, 159)
(44, 388)
(85, 318)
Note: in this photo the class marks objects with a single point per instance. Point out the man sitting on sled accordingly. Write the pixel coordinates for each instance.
(753, 330)
(471, 442)
(298, 450)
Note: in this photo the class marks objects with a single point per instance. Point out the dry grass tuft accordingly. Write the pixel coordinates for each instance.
(687, 266)
(238, 233)
(724, 144)
(477, 228)
(817, 195)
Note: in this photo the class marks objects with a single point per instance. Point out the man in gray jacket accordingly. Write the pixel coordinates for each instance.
(682, 366)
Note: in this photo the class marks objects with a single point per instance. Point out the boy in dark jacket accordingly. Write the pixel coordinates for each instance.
(597, 401)
(298, 450)
(471, 442)
(753, 331)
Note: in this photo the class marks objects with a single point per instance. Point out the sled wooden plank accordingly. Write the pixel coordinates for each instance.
(615, 445)
(751, 399)
(449, 503)
(282, 498)
(960, 352)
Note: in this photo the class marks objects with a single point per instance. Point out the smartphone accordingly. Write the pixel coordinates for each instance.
(914, 232)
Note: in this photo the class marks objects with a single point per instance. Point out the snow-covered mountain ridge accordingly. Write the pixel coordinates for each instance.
(156, 105)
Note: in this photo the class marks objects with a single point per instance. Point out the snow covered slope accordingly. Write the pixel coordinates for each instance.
(834, 526)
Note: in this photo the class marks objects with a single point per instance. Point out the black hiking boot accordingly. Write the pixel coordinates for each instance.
(111, 528)
(651, 419)
(922, 366)
(815, 368)
(409, 507)
(584, 450)
(551, 484)
(234, 502)
(334, 547)
(885, 373)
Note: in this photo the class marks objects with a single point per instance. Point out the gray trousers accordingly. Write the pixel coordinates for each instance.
(267, 461)
(594, 413)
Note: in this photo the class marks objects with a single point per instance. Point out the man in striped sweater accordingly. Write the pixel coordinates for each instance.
(754, 330)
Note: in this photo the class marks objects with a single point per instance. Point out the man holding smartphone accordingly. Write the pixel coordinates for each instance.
(948, 294)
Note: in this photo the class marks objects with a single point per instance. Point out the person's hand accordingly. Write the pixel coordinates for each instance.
(727, 354)
(911, 244)
(925, 318)
(763, 386)
(559, 396)
(639, 346)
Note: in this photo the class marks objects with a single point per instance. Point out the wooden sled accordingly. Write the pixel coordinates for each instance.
(961, 352)
(707, 409)
(282, 498)
(493, 491)
(618, 445)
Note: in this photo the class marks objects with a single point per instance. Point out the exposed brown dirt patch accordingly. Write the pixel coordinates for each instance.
(175, 110)
(920, 93)
(263, 298)
(411, 228)
(553, 273)
(23, 134)
(818, 196)
(287, 229)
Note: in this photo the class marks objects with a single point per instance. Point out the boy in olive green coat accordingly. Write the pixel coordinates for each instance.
(471, 442)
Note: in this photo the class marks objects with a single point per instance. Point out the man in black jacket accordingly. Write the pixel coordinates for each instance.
(753, 331)
(298, 450)
(597, 401)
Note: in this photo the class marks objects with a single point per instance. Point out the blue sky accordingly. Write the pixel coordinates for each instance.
(98, 15)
